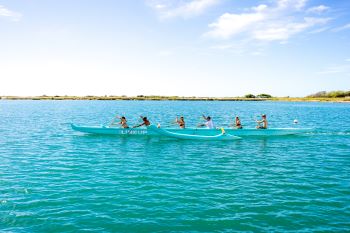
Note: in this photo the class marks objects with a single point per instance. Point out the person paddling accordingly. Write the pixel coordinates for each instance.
(180, 122)
(263, 121)
(122, 122)
(145, 122)
(238, 124)
(209, 122)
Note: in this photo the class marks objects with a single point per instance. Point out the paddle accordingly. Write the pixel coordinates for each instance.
(113, 120)
(255, 118)
(199, 124)
(173, 123)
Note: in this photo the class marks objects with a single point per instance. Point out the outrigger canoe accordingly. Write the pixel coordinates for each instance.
(223, 136)
(108, 130)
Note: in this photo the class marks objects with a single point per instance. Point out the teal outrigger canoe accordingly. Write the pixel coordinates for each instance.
(223, 136)
(108, 130)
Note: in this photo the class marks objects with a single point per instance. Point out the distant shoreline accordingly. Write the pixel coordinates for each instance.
(177, 98)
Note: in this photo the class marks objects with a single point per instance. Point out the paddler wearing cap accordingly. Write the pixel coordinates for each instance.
(263, 121)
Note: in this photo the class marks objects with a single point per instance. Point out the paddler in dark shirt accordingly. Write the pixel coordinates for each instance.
(145, 122)
(238, 123)
(181, 122)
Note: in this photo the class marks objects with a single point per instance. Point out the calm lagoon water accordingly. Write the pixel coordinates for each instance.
(55, 180)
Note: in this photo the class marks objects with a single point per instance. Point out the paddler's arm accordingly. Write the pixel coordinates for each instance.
(136, 126)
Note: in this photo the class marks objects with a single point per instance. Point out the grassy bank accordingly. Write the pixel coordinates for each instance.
(309, 99)
(175, 98)
(159, 98)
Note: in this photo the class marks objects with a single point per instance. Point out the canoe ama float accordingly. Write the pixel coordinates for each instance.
(222, 136)
(107, 130)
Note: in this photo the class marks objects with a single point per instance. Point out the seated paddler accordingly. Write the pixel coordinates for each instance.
(238, 123)
(122, 122)
(208, 122)
(145, 122)
(262, 124)
(181, 122)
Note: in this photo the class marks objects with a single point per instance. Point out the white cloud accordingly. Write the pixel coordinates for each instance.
(187, 9)
(14, 16)
(319, 30)
(296, 4)
(342, 28)
(285, 31)
(337, 69)
(266, 23)
(231, 24)
(317, 9)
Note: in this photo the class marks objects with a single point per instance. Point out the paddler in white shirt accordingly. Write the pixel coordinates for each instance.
(208, 122)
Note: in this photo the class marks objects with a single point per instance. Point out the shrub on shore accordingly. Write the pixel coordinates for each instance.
(264, 96)
(261, 96)
(331, 94)
(250, 96)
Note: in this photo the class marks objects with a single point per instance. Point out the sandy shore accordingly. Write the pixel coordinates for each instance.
(175, 98)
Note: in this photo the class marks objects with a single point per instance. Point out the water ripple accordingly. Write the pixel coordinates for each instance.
(56, 180)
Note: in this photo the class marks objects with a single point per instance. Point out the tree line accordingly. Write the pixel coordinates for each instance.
(331, 94)
(263, 96)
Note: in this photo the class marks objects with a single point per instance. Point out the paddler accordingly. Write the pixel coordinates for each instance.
(122, 122)
(238, 124)
(145, 122)
(180, 122)
(263, 121)
(208, 122)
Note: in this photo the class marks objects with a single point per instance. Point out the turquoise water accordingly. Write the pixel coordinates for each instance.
(55, 180)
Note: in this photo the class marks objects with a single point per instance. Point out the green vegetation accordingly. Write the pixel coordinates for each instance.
(331, 94)
(261, 96)
(266, 96)
(249, 96)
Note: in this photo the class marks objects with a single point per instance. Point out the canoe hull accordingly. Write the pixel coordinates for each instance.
(111, 130)
(106, 130)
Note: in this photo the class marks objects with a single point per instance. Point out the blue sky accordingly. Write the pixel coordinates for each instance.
(174, 47)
